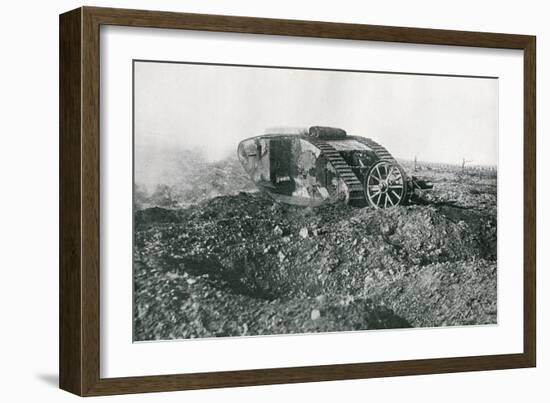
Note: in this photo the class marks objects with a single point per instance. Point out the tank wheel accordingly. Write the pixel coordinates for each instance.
(385, 185)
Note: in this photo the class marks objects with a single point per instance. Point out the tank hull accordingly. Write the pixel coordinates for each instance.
(322, 166)
(292, 170)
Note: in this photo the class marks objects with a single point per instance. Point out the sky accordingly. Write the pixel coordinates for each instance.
(433, 118)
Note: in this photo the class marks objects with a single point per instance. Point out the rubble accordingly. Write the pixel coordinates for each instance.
(245, 264)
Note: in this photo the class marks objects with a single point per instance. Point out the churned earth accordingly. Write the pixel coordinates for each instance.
(243, 264)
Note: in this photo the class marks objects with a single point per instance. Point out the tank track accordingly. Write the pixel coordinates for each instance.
(355, 187)
(379, 150)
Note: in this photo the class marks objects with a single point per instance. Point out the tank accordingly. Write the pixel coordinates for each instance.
(322, 165)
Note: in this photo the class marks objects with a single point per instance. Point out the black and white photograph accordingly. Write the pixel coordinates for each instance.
(275, 200)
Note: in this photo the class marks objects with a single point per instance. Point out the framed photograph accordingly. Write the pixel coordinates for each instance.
(249, 201)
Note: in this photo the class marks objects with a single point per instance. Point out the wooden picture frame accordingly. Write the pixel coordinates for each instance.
(79, 347)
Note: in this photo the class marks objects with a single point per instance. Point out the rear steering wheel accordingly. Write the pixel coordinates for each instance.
(385, 185)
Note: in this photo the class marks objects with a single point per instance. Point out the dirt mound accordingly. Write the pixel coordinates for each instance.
(245, 264)
(185, 306)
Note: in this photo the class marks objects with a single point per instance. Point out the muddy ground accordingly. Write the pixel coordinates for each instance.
(242, 264)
